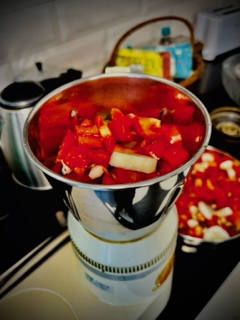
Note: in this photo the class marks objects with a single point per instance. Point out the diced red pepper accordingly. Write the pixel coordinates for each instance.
(99, 156)
(99, 120)
(68, 142)
(175, 155)
(108, 178)
(121, 125)
(183, 114)
(87, 130)
(170, 133)
(156, 148)
(149, 128)
(89, 141)
(107, 137)
(191, 135)
(126, 176)
(76, 160)
(164, 167)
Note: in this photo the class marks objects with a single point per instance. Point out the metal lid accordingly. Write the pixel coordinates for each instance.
(226, 120)
(20, 95)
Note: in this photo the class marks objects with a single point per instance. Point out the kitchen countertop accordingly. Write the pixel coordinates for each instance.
(60, 272)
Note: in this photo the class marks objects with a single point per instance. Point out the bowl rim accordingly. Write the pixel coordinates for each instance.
(144, 183)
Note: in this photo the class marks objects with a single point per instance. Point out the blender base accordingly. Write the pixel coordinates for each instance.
(131, 272)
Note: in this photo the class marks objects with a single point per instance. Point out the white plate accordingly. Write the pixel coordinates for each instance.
(37, 304)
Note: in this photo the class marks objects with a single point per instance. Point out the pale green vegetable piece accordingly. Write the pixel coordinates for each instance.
(133, 161)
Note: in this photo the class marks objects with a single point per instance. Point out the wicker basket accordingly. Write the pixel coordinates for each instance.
(198, 64)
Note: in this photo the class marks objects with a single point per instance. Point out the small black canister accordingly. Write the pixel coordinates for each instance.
(226, 129)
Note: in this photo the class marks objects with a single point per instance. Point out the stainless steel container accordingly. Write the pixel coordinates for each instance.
(16, 101)
(124, 211)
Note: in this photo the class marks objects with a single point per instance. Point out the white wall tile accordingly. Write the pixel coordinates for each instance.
(8, 6)
(27, 30)
(81, 34)
(6, 76)
(78, 17)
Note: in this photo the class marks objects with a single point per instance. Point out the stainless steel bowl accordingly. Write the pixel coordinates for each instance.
(123, 211)
(193, 244)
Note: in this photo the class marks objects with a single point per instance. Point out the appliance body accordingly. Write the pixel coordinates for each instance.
(16, 101)
(129, 272)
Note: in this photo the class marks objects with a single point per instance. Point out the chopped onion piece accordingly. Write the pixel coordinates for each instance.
(207, 157)
(65, 169)
(224, 212)
(205, 209)
(215, 233)
(133, 161)
(192, 223)
(225, 165)
(96, 172)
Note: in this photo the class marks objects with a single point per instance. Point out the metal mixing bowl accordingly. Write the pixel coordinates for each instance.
(123, 211)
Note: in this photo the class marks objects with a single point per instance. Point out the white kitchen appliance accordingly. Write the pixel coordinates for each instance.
(127, 273)
(218, 29)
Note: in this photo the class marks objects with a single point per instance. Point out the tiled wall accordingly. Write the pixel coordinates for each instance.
(79, 33)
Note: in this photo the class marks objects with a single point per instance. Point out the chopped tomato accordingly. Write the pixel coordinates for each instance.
(76, 160)
(87, 130)
(99, 156)
(175, 155)
(121, 125)
(147, 127)
(68, 142)
(191, 135)
(208, 183)
(89, 141)
(126, 176)
(107, 137)
(183, 114)
(156, 147)
(170, 133)
(92, 141)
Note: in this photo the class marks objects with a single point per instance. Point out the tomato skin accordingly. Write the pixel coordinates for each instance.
(90, 141)
(148, 128)
(126, 176)
(156, 148)
(99, 120)
(175, 155)
(170, 133)
(57, 167)
(87, 130)
(183, 115)
(68, 142)
(121, 125)
(99, 156)
(76, 160)
(164, 167)
(191, 135)
(108, 178)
